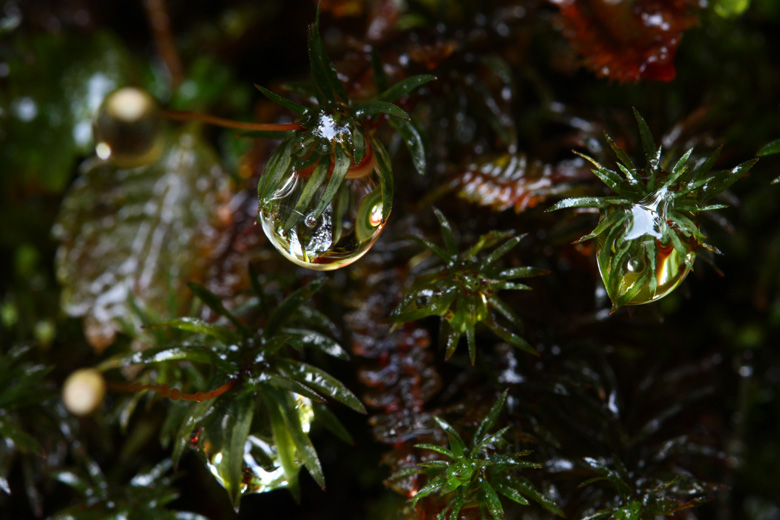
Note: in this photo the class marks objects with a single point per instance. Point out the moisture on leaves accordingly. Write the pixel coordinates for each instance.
(477, 473)
(327, 190)
(464, 290)
(649, 231)
(138, 231)
(253, 430)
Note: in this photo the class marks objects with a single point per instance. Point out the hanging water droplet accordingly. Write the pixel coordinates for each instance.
(261, 469)
(129, 128)
(343, 232)
(643, 241)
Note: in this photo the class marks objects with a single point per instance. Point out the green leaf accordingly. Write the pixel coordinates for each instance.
(386, 177)
(317, 341)
(189, 324)
(192, 353)
(277, 167)
(524, 486)
(373, 108)
(769, 149)
(286, 309)
(490, 419)
(303, 445)
(437, 449)
(611, 221)
(456, 441)
(510, 337)
(321, 381)
(341, 166)
(22, 440)
(313, 184)
(431, 487)
(380, 78)
(326, 80)
(510, 493)
(329, 420)
(621, 154)
(233, 453)
(646, 136)
(502, 250)
(285, 446)
(214, 302)
(286, 103)
(587, 202)
(404, 87)
(414, 142)
(450, 243)
(491, 500)
(285, 383)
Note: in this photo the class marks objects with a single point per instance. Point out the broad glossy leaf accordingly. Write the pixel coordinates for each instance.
(141, 231)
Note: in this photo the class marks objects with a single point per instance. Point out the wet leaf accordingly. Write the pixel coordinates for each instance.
(139, 232)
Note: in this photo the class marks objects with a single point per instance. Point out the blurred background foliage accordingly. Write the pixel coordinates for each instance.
(631, 415)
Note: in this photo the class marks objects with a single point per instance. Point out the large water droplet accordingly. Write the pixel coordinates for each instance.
(342, 234)
(262, 470)
(128, 128)
(645, 243)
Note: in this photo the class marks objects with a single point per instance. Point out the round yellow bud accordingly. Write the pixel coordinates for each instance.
(83, 391)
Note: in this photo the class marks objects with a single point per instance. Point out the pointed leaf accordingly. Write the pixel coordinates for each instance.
(321, 381)
(456, 441)
(450, 244)
(214, 302)
(524, 486)
(491, 500)
(373, 108)
(490, 419)
(329, 420)
(190, 324)
(413, 141)
(341, 164)
(313, 184)
(324, 74)
(769, 148)
(510, 493)
(286, 103)
(437, 449)
(386, 176)
(285, 310)
(646, 136)
(233, 454)
(404, 87)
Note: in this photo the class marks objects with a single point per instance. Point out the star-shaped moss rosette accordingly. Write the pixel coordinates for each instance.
(473, 476)
(252, 428)
(327, 190)
(649, 233)
(464, 290)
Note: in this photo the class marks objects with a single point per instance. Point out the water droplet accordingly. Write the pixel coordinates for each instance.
(129, 128)
(342, 234)
(262, 470)
(643, 242)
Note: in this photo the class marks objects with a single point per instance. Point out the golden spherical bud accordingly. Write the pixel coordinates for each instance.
(84, 391)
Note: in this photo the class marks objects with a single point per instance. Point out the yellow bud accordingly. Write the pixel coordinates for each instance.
(83, 391)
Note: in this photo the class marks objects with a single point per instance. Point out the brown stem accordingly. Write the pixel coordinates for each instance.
(173, 394)
(160, 23)
(182, 115)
